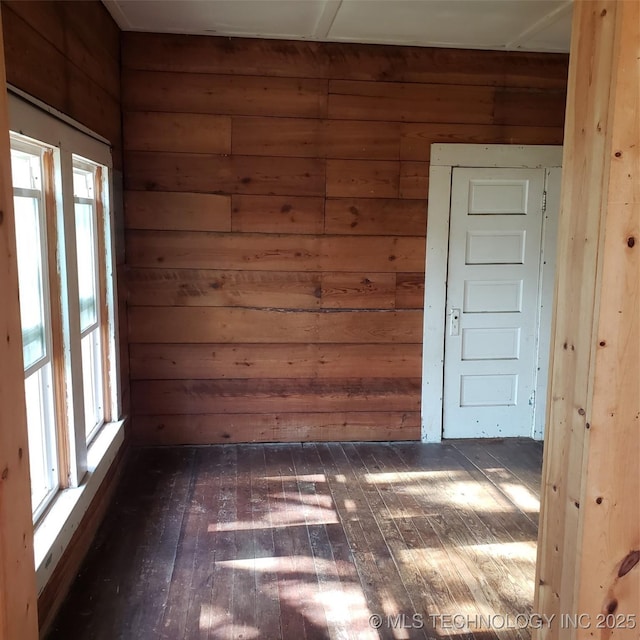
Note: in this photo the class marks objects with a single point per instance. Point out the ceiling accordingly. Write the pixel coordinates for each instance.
(525, 25)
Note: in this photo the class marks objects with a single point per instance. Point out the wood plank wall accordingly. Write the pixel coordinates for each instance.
(275, 207)
(67, 54)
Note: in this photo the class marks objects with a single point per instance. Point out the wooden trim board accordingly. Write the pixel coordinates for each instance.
(18, 618)
(589, 536)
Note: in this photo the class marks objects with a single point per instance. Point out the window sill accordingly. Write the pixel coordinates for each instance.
(54, 532)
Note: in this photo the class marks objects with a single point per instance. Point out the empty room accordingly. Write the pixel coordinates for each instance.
(320, 319)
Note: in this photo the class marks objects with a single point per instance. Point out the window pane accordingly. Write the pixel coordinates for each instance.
(41, 433)
(91, 322)
(87, 267)
(30, 253)
(82, 183)
(25, 170)
(92, 381)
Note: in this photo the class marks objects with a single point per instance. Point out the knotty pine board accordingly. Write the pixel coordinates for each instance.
(271, 289)
(223, 94)
(244, 361)
(177, 132)
(215, 173)
(177, 211)
(195, 325)
(279, 427)
(376, 216)
(185, 397)
(409, 291)
(71, 28)
(416, 138)
(263, 252)
(291, 59)
(277, 214)
(18, 604)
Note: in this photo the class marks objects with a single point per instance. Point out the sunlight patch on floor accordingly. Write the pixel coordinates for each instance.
(219, 625)
(291, 564)
(523, 497)
(402, 477)
(312, 477)
(518, 551)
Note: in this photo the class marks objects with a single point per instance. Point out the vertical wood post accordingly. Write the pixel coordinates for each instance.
(589, 540)
(18, 604)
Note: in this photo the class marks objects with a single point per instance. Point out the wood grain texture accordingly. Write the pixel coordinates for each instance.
(355, 140)
(59, 370)
(279, 427)
(225, 94)
(409, 290)
(379, 216)
(304, 137)
(363, 179)
(528, 107)
(18, 606)
(232, 325)
(72, 66)
(404, 102)
(271, 289)
(176, 132)
(288, 137)
(255, 252)
(185, 397)
(589, 538)
(327, 174)
(414, 180)
(277, 214)
(177, 211)
(237, 361)
(416, 138)
(237, 56)
(219, 288)
(224, 174)
(358, 290)
(70, 27)
(270, 538)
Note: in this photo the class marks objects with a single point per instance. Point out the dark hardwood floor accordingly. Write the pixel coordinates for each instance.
(311, 541)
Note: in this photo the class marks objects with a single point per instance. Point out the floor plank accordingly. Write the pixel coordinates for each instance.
(310, 540)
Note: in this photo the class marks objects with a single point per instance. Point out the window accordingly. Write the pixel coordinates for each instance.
(63, 238)
(88, 251)
(35, 314)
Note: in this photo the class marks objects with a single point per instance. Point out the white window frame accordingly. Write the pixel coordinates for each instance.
(88, 462)
(97, 327)
(50, 443)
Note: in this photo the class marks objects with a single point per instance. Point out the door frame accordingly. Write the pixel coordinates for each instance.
(444, 158)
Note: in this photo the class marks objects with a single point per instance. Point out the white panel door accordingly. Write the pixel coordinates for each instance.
(492, 302)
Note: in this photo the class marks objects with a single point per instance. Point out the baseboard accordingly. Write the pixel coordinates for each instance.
(283, 427)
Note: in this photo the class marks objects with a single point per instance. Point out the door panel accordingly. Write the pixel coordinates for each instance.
(492, 302)
(493, 196)
(495, 247)
(491, 344)
(492, 296)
